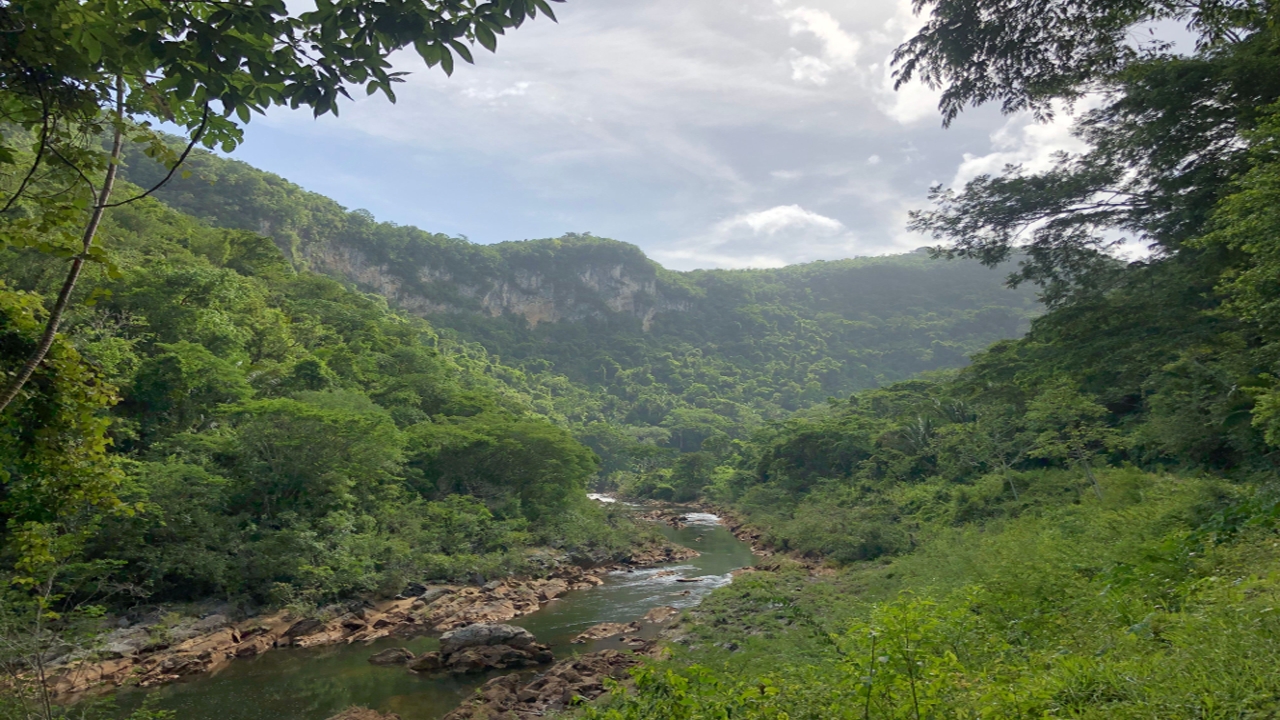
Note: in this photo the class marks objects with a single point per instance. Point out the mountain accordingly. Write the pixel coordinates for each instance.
(744, 345)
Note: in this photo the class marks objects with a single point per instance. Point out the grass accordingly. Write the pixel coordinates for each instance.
(1154, 603)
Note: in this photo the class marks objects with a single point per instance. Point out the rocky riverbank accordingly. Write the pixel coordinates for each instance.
(152, 653)
(516, 697)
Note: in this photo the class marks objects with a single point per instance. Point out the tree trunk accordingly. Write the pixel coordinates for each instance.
(1088, 471)
(77, 263)
(1009, 479)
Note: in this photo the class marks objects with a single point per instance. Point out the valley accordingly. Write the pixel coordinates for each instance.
(263, 455)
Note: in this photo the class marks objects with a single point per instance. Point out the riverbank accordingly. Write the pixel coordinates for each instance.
(150, 654)
(677, 516)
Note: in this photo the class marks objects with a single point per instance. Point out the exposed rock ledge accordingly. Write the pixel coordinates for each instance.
(433, 610)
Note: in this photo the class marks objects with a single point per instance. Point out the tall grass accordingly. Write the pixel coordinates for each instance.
(1154, 603)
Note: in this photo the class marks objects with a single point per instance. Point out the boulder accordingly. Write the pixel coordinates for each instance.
(580, 676)
(553, 589)
(432, 594)
(427, 663)
(604, 630)
(210, 623)
(660, 615)
(413, 589)
(484, 634)
(304, 627)
(392, 656)
(496, 657)
(126, 642)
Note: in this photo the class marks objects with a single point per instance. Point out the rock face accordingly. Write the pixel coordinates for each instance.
(477, 648)
(509, 697)
(572, 283)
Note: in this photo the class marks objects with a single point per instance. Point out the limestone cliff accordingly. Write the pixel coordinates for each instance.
(566, 281)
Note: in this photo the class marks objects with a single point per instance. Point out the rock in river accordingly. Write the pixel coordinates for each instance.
(477, 648)
(581, 676)
(392, 656)
(604, 630)
(484, 634)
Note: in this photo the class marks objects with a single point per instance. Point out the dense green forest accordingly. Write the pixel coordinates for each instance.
(274, 435)
(277, 436)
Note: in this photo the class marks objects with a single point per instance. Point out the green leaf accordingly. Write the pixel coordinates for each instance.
(150, 13)
(486, 37)
(546, 9)
(462, 50)
(427, 51)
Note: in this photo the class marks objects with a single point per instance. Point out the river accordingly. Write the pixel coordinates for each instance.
(316, 683)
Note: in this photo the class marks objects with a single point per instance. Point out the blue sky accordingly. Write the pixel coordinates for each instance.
(715, 133)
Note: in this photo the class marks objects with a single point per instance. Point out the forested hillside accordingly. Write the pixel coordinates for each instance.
(640, 362)
(273, 435)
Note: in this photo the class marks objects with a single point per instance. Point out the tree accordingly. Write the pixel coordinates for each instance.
(1027, 55)
(307, 458)
(989, 440)
(1070, 426)
(1163, 146)
(73, 71)
(56, 481)
(517, 466)
(178, 389)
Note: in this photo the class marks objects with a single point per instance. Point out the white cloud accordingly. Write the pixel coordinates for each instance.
(653, 121)
(782, 217)
(777, 236)
(839, 48)
(909, 104)
(514, 90)
(1023, 141)
(914, 101)
(807, 68)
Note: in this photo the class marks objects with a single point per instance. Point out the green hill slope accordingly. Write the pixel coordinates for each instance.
(633, 356)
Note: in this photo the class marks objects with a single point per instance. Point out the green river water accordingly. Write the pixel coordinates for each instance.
(317, 683)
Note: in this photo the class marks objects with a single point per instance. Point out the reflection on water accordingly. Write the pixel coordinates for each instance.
(317, 683)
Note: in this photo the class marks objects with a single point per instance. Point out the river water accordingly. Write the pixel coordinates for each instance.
(316, 683)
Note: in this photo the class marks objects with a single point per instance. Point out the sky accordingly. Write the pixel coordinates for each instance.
(711, 133)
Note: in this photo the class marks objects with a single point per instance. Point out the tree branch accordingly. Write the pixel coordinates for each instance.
(35, 164)
(204, 122)
(90, 231)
